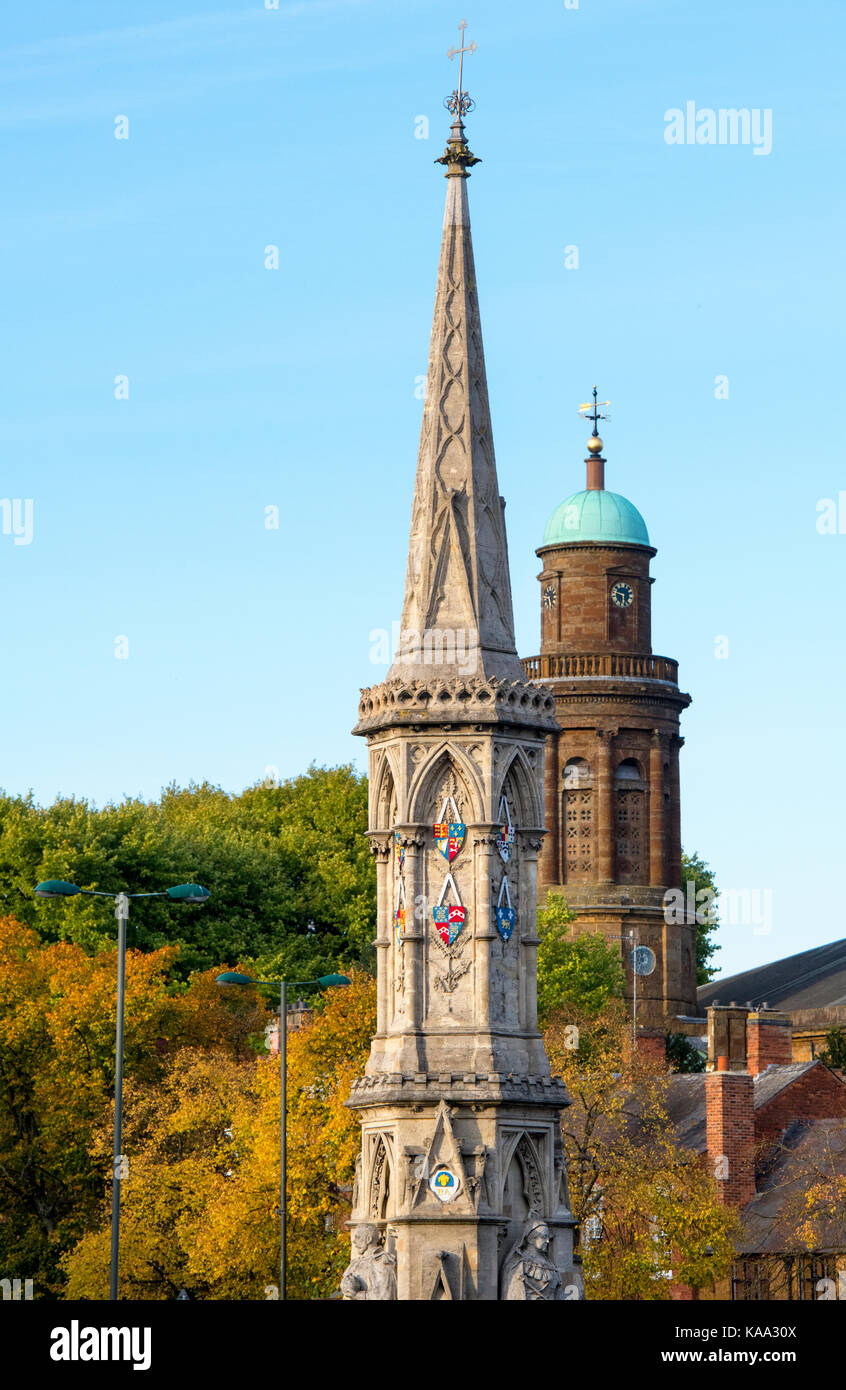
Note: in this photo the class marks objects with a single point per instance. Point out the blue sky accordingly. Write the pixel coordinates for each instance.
(252, 388)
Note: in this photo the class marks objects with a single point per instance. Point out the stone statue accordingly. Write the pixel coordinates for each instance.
(372, 1271)
(527, 1271)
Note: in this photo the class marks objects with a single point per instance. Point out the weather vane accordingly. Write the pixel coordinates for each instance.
(591, 412)
(459, 103)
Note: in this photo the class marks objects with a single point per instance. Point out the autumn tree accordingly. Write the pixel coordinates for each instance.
(648, 1210)
(57, 1057)
(201, 1207)
(797, 1222)
(185, 1140)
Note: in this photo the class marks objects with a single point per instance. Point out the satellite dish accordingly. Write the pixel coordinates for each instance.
(643, 960)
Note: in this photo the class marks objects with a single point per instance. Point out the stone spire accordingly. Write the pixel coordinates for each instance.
(457, 582)
(461, 1172)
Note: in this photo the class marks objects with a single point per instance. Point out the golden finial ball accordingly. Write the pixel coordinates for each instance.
(595, 444)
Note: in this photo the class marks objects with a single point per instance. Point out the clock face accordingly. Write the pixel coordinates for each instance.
(622, 595)
(549, 596)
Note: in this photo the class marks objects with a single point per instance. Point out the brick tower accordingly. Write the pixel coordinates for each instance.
(613, 844)
(461, 1189)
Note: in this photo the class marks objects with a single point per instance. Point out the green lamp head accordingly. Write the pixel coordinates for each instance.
(328, 981)
(56, 888)
(188, 893)
(231, 977)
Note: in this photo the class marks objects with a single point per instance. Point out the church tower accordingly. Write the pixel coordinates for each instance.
(461, 1190)
(613, 845)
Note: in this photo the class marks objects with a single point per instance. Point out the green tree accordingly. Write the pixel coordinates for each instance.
(577, 971)
(835, 1049)
(289, 870)
(682, 1055)
(697, 872)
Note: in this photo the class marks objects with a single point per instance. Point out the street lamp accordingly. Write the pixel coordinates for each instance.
(231, 977)
(181, 893)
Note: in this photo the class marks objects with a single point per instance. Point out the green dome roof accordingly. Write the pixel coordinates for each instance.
(596, 515)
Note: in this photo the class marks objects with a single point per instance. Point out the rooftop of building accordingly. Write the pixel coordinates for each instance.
(809, 1153)
(811, 979)
(686, 1098)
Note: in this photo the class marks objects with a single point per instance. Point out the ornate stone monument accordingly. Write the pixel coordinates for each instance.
(461, 1159)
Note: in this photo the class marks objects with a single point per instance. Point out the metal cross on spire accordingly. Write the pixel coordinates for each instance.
(590, 411)
(459, 103)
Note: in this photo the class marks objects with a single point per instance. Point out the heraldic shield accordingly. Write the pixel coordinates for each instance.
(449, 917)
(399, 913)
(505, 839)
(506, 915)
(449, 837)
(449, 834)
(449, 921)
(505, 919)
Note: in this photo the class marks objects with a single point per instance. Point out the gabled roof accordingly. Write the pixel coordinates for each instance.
(686, 1098)
(809, 980)
(686, 1108)
(770, 1218)
(774, 1079)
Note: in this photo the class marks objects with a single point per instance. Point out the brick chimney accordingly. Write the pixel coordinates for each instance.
(727, 1036)
(730, 1126)
(730, 1107)
(652, 1044)
(769, 1039)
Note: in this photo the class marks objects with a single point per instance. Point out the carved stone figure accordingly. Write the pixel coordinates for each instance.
(372, 1272)
(528, 1274)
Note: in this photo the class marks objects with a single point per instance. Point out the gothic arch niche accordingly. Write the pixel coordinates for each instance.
(379, 1184)
(577, 816)
(384, 799)
(383, 817)
(523, 1188)
(519, 785)
(630, 821)
(448, 950)
(426, 789)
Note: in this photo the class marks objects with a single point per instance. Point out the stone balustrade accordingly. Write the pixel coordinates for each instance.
(607, 665)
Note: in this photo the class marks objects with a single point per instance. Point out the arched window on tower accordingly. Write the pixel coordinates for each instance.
(578, 820)
(630, 804)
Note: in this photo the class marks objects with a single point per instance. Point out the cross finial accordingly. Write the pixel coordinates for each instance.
(459, 103)
(458, 157)
(590, 411)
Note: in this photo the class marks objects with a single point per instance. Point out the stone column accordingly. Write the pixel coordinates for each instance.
(551, 860)
(656, 810)
(380, 848)
(484, 933)
(674, 828)
(415, 929)
(529, 846)
(605, 855)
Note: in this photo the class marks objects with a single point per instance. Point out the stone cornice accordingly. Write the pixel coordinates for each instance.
(459, 700)
(392, 1088)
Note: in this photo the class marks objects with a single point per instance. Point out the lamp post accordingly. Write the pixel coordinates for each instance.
(182, 893)
(231, 977)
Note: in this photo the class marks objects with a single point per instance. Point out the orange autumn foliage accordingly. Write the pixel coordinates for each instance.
(201, 1206)
(57, 1041)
